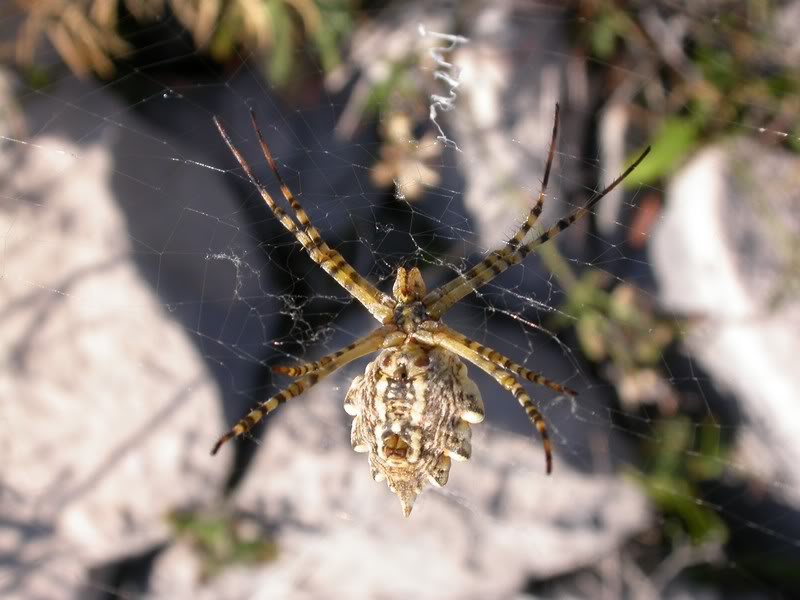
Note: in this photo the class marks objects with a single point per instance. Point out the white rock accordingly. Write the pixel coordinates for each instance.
(503, 117)
(725, 253)
(107, 409)
(498, 522)
(502, 104)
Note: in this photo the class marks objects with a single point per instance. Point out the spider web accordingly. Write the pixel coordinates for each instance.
(145, 278)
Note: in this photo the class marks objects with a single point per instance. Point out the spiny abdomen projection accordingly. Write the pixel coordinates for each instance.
(413, 408)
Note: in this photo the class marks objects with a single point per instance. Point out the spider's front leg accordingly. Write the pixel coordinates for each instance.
(441, 299)
(331, 260)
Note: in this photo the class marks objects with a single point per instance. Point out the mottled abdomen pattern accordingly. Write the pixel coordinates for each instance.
(413, 408)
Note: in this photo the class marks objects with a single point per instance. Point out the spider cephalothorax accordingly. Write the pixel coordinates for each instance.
(409, 290)
(414, 404)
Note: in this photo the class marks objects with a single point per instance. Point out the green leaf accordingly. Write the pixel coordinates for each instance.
(603, 38)
(381, 91)
(676, 138)
(338, 23)
(590, 330)
(220, 542)
(281, 54)
(794, 140)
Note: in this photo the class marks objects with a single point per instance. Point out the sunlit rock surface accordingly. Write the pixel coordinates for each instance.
(339, 534)
(107, 408)
(725, 254)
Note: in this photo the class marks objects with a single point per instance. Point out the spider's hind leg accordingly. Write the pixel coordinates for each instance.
(312, 373)
(510, 383)
(502, 369)
(262, 410)
(366, 344)
(469, 349)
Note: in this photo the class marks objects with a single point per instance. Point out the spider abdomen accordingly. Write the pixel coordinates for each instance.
(412, 411)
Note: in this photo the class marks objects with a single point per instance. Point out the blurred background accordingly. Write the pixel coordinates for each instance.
(146, 290)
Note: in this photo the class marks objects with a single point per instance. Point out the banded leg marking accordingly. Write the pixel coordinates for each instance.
(495, 262)
(509, 382)
(375, 301)
(305, 222)
(441, 299)
(369, 343)
(262, 410)
(513, 386)
(519, 237)
(465, 347)
(365, 346)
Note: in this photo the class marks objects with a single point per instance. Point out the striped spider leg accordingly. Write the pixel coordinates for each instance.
(309, 375)
(516, 249)
(513, 252)
(501, 368)
(413, 406)
(376, 302)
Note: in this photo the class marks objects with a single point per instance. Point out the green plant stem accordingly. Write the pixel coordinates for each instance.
(558, 266)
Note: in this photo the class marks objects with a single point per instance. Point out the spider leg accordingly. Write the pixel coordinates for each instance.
(519, 237)
(441, 299)
(376, 302)
(512, 385)
(501, 376)
(331, 359)
(364, 346)
(467, 348)
(516, 241)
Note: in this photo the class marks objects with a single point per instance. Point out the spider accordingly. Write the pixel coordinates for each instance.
(414, 404)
